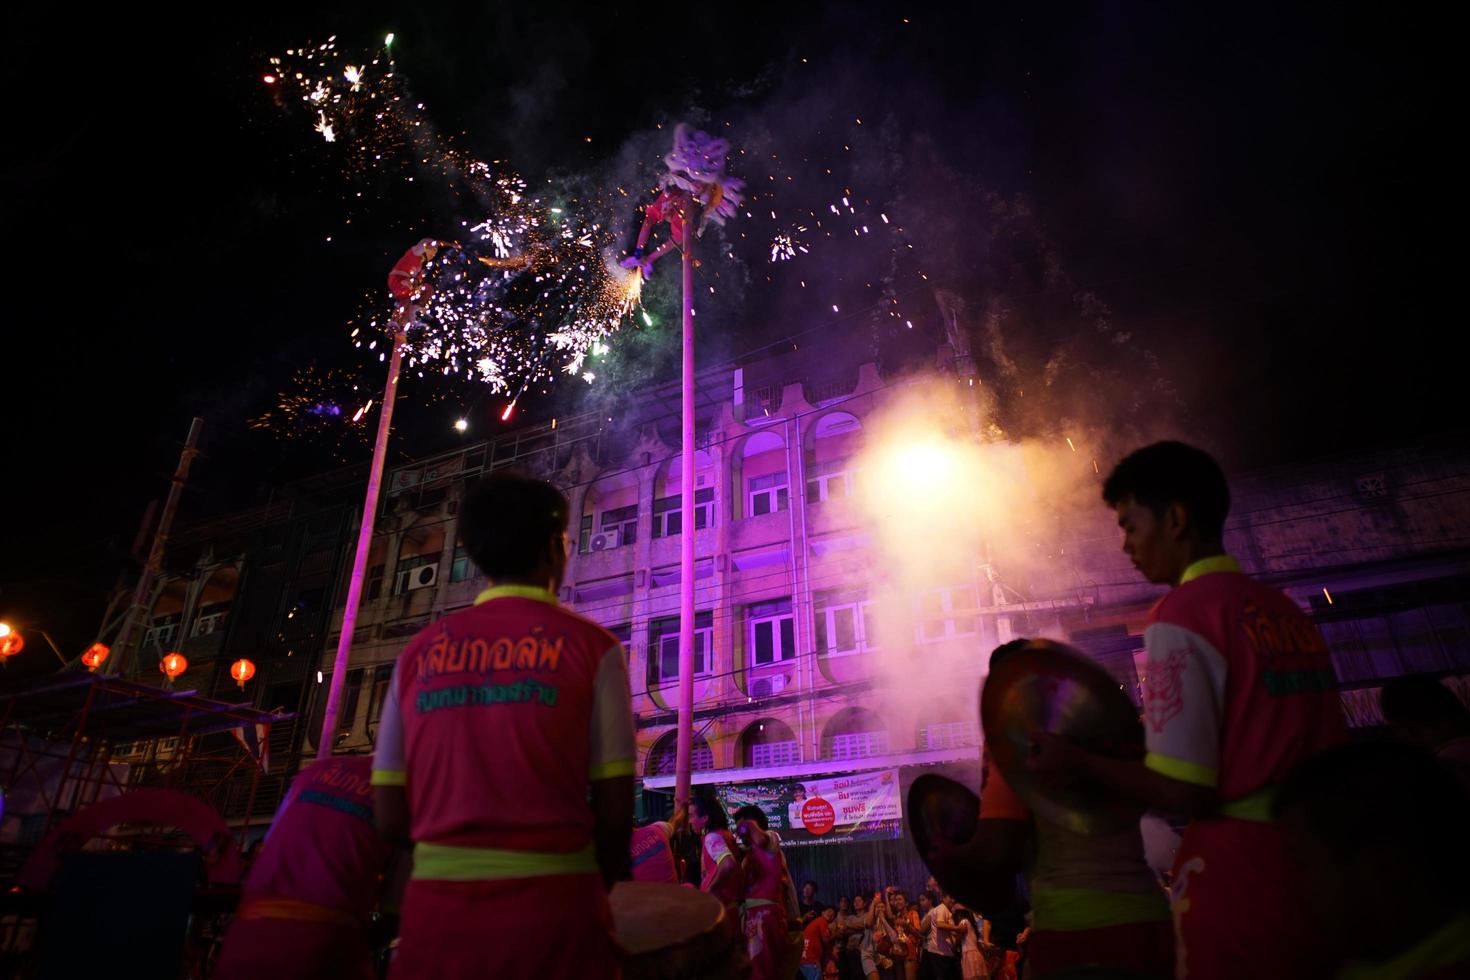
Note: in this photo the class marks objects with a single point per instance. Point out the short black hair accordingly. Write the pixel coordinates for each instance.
(712, 810)
(1173, 473)
(752, 812)
(506, 520)
(1422, 700)
(815, 889)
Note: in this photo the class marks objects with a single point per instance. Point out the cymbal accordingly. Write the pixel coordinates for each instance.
(942, 810)
(1050, 687)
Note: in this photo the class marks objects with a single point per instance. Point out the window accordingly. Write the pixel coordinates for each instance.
(663, 756)
(584, 535)
(768, 494)
(772, 632)
(462, 568)
(663, 637)
(844, 624)
(829, 480)
(667, 515)
(949, 735)
(775, 753)
(858, 745)
(350, 692)
(378, 695)
(403, 575)
(622, 521)
(375, 581)
(947, 612)
(161, 634)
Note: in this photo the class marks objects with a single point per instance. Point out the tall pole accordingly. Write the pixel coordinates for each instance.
(364, 545)
(685, 744)
(154, 565)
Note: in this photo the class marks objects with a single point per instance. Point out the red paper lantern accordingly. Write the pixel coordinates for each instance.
(96, 653)
(11, 642)
(173, 664)
(242, 670)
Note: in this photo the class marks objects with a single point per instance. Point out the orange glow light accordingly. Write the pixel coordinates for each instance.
(173, 664)
(96, 653)
(11, 642)
(242, 670)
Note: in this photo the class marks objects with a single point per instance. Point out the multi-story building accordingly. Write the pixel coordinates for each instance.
(258, 585)
(795, 676)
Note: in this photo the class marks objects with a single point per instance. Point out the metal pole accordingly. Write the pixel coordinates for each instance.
(685, 744)
(364, 546)
(154, 566)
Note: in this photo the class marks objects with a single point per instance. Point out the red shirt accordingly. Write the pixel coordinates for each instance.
(322, 847)
(763, 876)
(653, 857)
(717, 848)
(498, 718)
(818, 936)
(1239, 685)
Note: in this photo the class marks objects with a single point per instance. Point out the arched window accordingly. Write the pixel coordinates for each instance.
(215, 599)
(664, 755)
(769, 742)
(763, 472)
(418, 557)
(854, 733)
(163, 620)
(667, 495)
(836, 439)
(609, 514)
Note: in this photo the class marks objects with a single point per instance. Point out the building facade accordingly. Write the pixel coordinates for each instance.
(792, 678)
(800, 672)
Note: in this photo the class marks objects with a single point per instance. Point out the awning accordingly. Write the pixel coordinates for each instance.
(967, 753)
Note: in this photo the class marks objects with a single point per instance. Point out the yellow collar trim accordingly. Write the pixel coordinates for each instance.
(1205, 566)
(516, 592)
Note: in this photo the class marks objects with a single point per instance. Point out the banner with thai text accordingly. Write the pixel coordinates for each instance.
(830, 810)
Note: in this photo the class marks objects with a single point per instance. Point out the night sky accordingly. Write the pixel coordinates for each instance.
(1245, 190)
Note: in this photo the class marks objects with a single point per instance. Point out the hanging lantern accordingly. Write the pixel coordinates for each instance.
(96, 653)
(242, 670)
(173, 664)
(11, 642)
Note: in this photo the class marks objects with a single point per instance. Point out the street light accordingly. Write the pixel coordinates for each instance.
(12, 642)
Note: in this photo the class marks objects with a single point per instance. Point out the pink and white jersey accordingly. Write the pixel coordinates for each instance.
(718, 847)
(322, 847)
(653, 855)
(1239, 685)
(497, 719)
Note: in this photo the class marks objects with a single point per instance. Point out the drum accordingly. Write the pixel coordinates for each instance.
(675, 933)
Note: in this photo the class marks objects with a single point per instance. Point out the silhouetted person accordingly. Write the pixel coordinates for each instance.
(1424, 712)
(1376, 836)
(1239, 689)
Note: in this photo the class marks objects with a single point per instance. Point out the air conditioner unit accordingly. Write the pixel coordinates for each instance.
(605, 540)
(767, 686)
(423, 576)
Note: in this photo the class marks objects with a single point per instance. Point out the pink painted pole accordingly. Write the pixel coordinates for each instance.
(364, 547)
(685, 744)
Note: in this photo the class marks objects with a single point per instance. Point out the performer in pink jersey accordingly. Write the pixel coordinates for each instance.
(502, 721)
(305, 906)
(719, 853)
(766, 888)
(653, 853)
(1239, 690)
